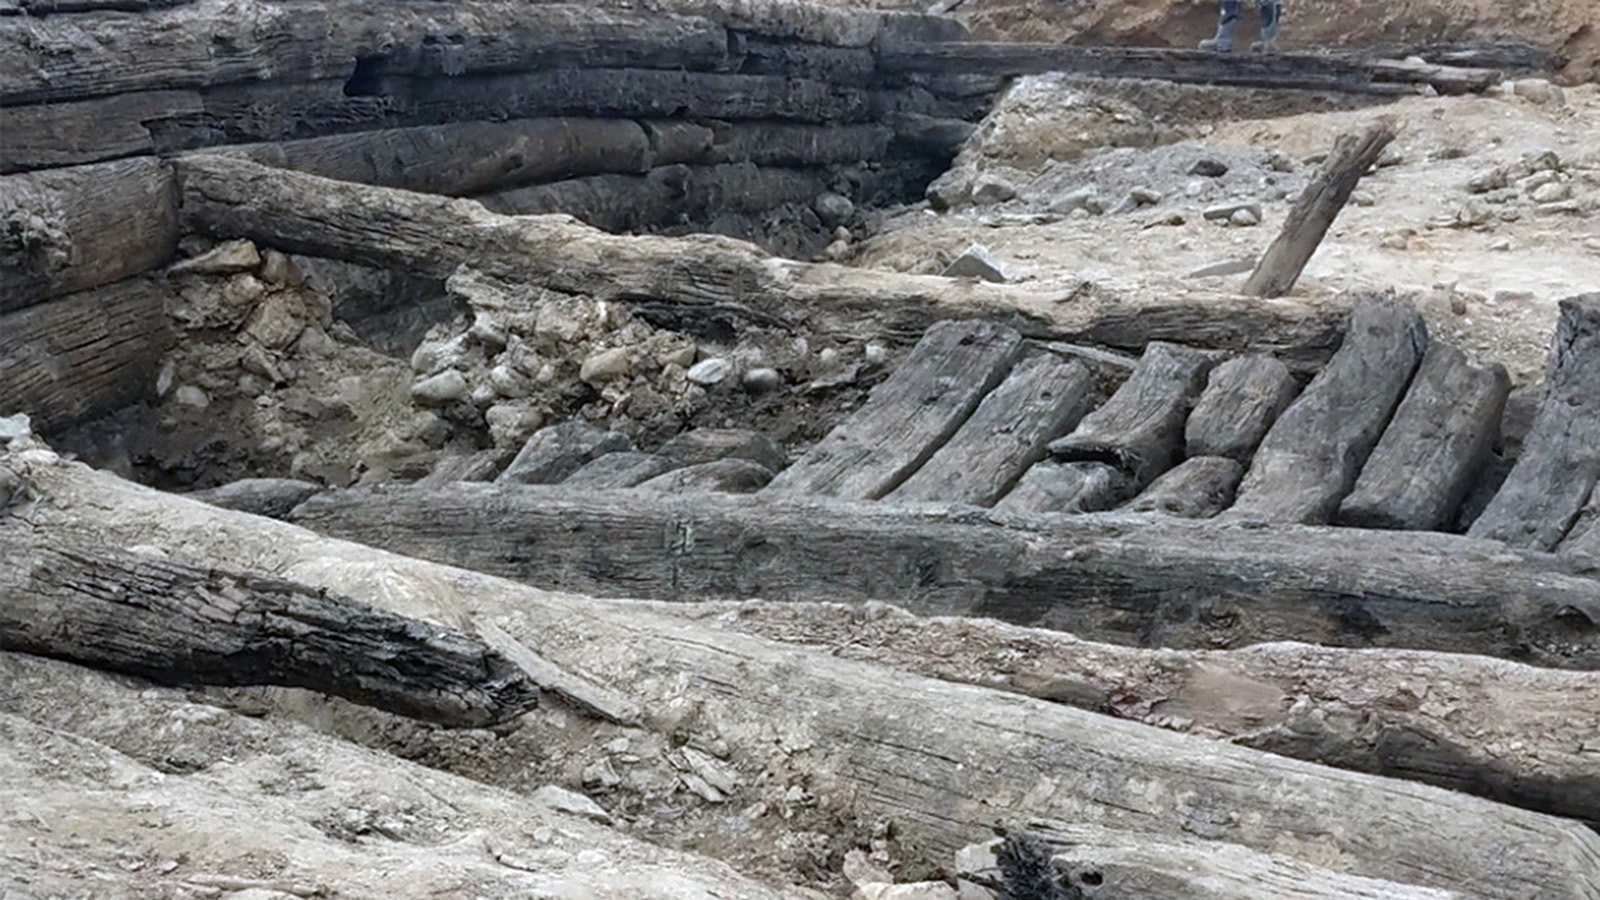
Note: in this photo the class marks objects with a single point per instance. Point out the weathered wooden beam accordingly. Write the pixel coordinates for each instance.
(183, 624)
(1042, 398)
(1243, 397)
(1197, 488)
(1315, 209)
(907, 418)
(69, 230)
(1148, 580)
(49, 135)
(1510, 732)
(1560, 462)
(1140, 429)
(943, 761)
(432, 236)
(83, 355)
(1282, 70)
(1310, 458)
(465, 158)
(1438, 442)
(212, 42)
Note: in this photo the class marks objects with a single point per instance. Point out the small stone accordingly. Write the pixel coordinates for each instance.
(1363, 198)
(833, 209)
(679, 356)
(601, 775)
(1226, 267)
(277, 322)
(489, 333)
(1458, 305)
(1083, 199)
(442, 389)
(1491, 180)
(1209, 168)
(1394, 242)
(1501, 245)
(990, 189)
(607, 365)
(1552, 192)
(1223, 212)
(838, 251)
(710, 371)
(14, 427)
(278, 268)
(511, 424)
(191, 396)
(977, 262)
(1279, 162)
(1245, 217)
(762, 381)
(843, 234)
(510, 382)
(430, 429)
(1145, 196)
(226, 258)
(860, 869)
(922, 890)
(1537, 90)
(875, 354)
(570, 802)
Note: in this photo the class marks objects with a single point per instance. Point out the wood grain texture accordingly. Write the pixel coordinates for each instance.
(1243, 397)
(182, 624)
(432, 236)
(1146, 580)
(909, 417)
(1052, 486)
(71, 134)
(1438, 442)
(943, 761)
(75, 358)
(1506, 731)
(1140, 429)
(1315, 209)
(1043, 397)
(213, 42)
(1311, 456)
(68, 230)
(1197, 488)
(465, 158)
(1560, 461)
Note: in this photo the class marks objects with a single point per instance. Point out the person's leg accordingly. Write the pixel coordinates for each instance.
(1223, 42)
(1271, 14)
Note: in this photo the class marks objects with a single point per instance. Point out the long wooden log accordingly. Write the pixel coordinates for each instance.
(78, 357)
(74, 229)
(1315, 209)
(1284, 70)
(1312, 455)
(1438, 442)
(71, 134)
(1507, 731)
(942, 761)
(1115, 577)
(1560, 461)
(213, 42)
(465, 158)
(181, 624)
(431, 236)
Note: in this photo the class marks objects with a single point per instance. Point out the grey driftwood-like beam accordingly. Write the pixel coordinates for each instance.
(183, 624)
(1150, 581)
(944, 762)
(433, 236)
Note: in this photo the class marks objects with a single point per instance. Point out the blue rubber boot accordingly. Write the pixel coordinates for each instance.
(1271, 14)
(1223, 42)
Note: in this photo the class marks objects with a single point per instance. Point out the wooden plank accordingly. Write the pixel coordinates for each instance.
(213, 42)
(69, 230)
(465, 158)
(1146, 580)
(431, 237)
(1198, 488)
(1042, 398)
(1311, 456)
(72, 134)
(270, 497)
(177, 623)
(1278, 71)
(1051, 486)
(75, 358)
(938, 759)
(1435, 447)
(1560, 461)
(623, 469)
(1509, 732)
(909, 417)
(1243, 397)
(798, 144)
(1315, 209)
(1140, 429)
(795, 59)
(703, 445)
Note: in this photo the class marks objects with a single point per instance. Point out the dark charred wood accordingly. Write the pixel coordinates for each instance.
(1198, 488)
(1243, 397)
(1069, 487)
(1140, 429)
